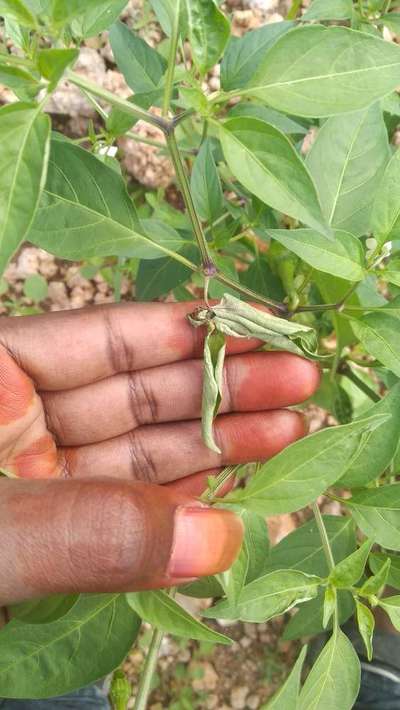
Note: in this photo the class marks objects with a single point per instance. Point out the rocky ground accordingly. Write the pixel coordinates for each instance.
(190, 675)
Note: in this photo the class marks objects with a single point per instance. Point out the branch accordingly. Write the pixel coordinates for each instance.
(122, 104)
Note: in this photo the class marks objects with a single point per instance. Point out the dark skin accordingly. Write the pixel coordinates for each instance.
(100, 422)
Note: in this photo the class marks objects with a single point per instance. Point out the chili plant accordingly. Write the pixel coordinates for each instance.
(315, 240)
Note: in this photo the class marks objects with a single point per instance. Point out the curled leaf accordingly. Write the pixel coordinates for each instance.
(241, 320)
(214, 355)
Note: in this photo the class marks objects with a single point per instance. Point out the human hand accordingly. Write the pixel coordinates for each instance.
(106, 403)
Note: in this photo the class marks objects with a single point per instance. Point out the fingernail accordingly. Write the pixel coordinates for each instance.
(206, 541)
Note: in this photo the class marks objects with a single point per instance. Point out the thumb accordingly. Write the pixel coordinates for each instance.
(105, 535)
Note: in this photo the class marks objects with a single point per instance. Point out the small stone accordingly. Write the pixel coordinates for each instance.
(212, 702)
(58, 295)
(238, 697)
(250, 630)
(245, 642)
(27, 263)
(253, 702)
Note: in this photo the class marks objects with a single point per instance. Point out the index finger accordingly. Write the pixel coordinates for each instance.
(73, 348)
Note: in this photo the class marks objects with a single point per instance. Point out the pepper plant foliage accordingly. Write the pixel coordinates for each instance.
(314, 237)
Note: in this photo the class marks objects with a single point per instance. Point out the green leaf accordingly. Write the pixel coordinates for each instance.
(304, 470)
(332, 10)
(308, 619)
(260, 278)
(44, 660)
(381, 446)
(244, 54)
(379, 333)
(142, 67)
(163, 612)
(209, 32)
(62, 12)
(157, 277)
(355, 146)
(265, 162)
(252, 560)
(25, 134)
(377, 512)
(165, 12)
(43, 611)
(392, 607)
(203, 588)
(118, 122)
(330, 603)
(86, 212)
(374, 584)
(214, 355)
(255, 543)
(342, 404)
(53, 62)
(322, 71)
(378, 560)
(287, 695)
(347, 572)
(35, 288)
(385, 215)
(206, 186)
(18, 11)
(334, 679)
(302, 549)
(392, 21)
(97, 19)
(366, 625)
(343, 257)
(18, 79)
(268, 596)
(269, 115)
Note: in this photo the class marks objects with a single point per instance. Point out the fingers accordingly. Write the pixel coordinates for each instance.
(73, 348)
(166, 452)
(106, 536)
(116, 405)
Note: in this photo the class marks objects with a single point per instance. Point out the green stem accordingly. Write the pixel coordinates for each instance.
(169, 78)
(211, 492)
(227, 281)
(146, 677)
(207, 262)
(14, 59)
(338, 350)
(294, 8)
(122, 104)
(348, 372)
(326, 546)
(218, 221)
(96, 105)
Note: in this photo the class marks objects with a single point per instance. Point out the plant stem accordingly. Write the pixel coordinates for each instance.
(96, 105)
(251, 294)
(14, 59)
(146, 677)
(169, 78)
(212, 492)
(207, 262)
(122, 104)
(294, 8)
(348, 372)
(323, 535)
